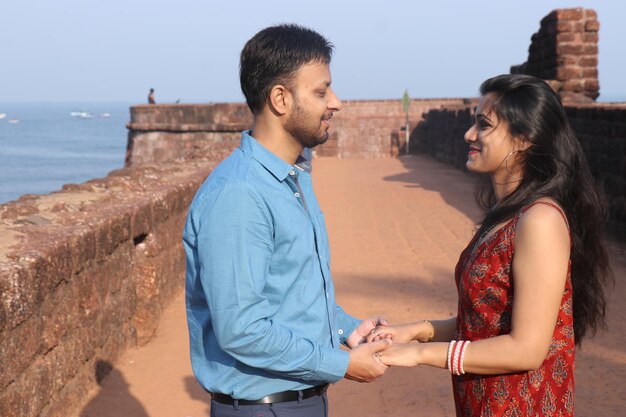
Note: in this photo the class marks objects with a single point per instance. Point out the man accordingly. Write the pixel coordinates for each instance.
(264, 327)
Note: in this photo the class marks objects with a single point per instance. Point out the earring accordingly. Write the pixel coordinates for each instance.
(506, 165)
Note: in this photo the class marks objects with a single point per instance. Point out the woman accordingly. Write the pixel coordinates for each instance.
(531, 281)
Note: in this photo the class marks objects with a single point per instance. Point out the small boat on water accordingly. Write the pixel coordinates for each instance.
(82, 114)
(2, 115)
(105, 115)
(13, 121)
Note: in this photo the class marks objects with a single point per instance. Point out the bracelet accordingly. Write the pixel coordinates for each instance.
(456, 356)
(432, 331)
(450, 347)
(467, 342)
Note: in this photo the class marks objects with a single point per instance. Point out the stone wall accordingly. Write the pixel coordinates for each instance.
(374, 128)
(167, 133)
(602, 132)
(85, 273)
(564, 52)
(362, 129)
(601, 128)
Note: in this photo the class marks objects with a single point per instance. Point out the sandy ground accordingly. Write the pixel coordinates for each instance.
(396, 229)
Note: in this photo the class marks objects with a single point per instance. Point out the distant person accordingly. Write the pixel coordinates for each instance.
(265, 331)
(151, 97)
(531, 283)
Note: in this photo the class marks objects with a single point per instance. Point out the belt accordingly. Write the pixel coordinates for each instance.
(279, 397)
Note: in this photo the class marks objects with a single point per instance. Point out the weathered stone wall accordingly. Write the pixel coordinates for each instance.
(564, 52)
(85, 273)
(602, 132)
(371, 128)
(362, 129)
(167, 133)
(601, 128)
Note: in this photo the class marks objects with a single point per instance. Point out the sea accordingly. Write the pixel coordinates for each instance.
(46, 145)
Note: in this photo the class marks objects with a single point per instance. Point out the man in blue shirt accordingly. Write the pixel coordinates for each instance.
(264, 328)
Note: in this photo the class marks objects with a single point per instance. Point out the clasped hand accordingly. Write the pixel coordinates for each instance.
(402, 353)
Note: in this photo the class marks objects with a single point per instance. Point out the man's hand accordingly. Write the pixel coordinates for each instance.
(365, 365)
(359, 334)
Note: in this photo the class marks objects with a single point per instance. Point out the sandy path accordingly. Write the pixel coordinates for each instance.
(396, 228)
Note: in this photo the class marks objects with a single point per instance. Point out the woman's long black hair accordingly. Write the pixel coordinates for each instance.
(554, 167)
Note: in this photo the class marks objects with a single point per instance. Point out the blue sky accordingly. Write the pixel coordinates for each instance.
(80, 50)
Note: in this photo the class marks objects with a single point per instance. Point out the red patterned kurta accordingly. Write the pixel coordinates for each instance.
(485, 284)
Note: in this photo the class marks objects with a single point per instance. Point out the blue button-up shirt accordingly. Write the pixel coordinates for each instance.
(260, 299)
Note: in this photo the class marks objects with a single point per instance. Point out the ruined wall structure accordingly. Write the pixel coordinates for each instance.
(362, 129)
(564, 52)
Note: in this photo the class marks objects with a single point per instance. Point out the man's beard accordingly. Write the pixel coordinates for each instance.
(308, 137)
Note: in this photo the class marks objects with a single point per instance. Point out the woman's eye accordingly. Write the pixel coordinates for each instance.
(482, 125)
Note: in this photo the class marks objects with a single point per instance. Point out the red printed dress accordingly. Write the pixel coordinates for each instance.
(486, 287)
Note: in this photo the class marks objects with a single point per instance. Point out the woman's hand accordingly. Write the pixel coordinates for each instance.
(401, 354)
(402, 333)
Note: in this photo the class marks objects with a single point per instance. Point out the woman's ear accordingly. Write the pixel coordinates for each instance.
(522, 144)
(525, 144)
(279, 99)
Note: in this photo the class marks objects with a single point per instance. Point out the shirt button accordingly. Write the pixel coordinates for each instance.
(340, 331)
(297, 195)
(292, 173)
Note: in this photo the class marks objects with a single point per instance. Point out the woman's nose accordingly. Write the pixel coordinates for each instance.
(470, 135)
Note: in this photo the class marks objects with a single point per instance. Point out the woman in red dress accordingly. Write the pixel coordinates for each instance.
(531, 281)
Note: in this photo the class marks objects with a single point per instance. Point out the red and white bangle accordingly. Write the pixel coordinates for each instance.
(456, 355)
(467, 342)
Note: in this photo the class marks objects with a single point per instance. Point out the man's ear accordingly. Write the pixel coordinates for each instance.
(279, 99)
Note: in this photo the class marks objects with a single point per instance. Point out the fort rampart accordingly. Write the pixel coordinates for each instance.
(85, 272)
(362, 129)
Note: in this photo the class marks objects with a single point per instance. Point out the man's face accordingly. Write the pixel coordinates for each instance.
(314, 103)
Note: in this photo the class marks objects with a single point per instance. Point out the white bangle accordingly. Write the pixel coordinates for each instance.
(450, 347)
(455, 357)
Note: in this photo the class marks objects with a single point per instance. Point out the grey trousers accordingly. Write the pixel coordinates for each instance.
(311, 407)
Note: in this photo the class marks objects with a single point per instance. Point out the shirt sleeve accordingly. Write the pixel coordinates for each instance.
(235, 245)
(346, 324)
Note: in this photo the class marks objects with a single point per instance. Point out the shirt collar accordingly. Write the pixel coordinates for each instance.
(276, 166)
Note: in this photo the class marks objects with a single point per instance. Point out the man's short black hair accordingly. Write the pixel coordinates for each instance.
(274, 55)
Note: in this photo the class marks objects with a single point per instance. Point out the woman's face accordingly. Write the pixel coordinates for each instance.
(492, 149)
